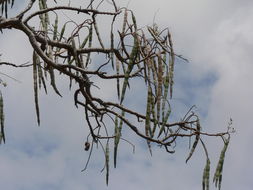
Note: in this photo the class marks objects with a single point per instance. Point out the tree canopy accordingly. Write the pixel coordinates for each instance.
(84, 50)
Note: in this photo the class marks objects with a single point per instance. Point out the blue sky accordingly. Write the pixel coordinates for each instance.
(216, 36)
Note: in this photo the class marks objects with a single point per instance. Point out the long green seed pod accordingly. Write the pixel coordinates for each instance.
(89, 45)
(133, 55)
(117, 133)
(218, 172)
(164, 121)
(206, 176)
(35, 86)
(52, 76)
(62, 32)
(166, 89)
(171, 64)
(2, 137)
(134, 21)
(198, 128)
(107, 159)
(41, 78)
(160, 83)
(124, 21)
(148, 114)
(116, 140)
(55, 28)
(117, 73)
(97, 32)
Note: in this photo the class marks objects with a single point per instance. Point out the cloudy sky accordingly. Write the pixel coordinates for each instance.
(216, 36)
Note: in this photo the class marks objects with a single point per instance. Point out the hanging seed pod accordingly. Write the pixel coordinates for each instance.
(116, 140)
(217, 179)
(154, 73)
(41, 77)
(35, 85)
(171, 64)
(62, 32)
(133, 55)
(117, 73)
(198, 128)
(55, 28)
(134, 21)
(107, 159)
(164, 121)
(166, 89)
(154, 116)
(206, 176)
(148, 112)
(89, 45)
(124, 21)
(97, 32)
(112, 47)
(51, 74)
(2, 134)
(160, 83)
(117, 133)
(76, 58)
(147, 120)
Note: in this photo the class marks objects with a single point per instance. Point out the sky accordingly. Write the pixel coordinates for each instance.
(215, 36)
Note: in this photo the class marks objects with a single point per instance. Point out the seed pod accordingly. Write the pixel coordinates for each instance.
(159, 88)
(218, 172)
(133, 55)
(35, 85)
(124, 21)
(86, 146)
(107, 159)
(55, 28)
(196, 140)
(2, 134)
(206, 175)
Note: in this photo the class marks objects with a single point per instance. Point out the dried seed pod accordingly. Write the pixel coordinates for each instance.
(86, 146)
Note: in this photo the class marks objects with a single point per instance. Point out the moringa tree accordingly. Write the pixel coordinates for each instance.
(82, 50)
